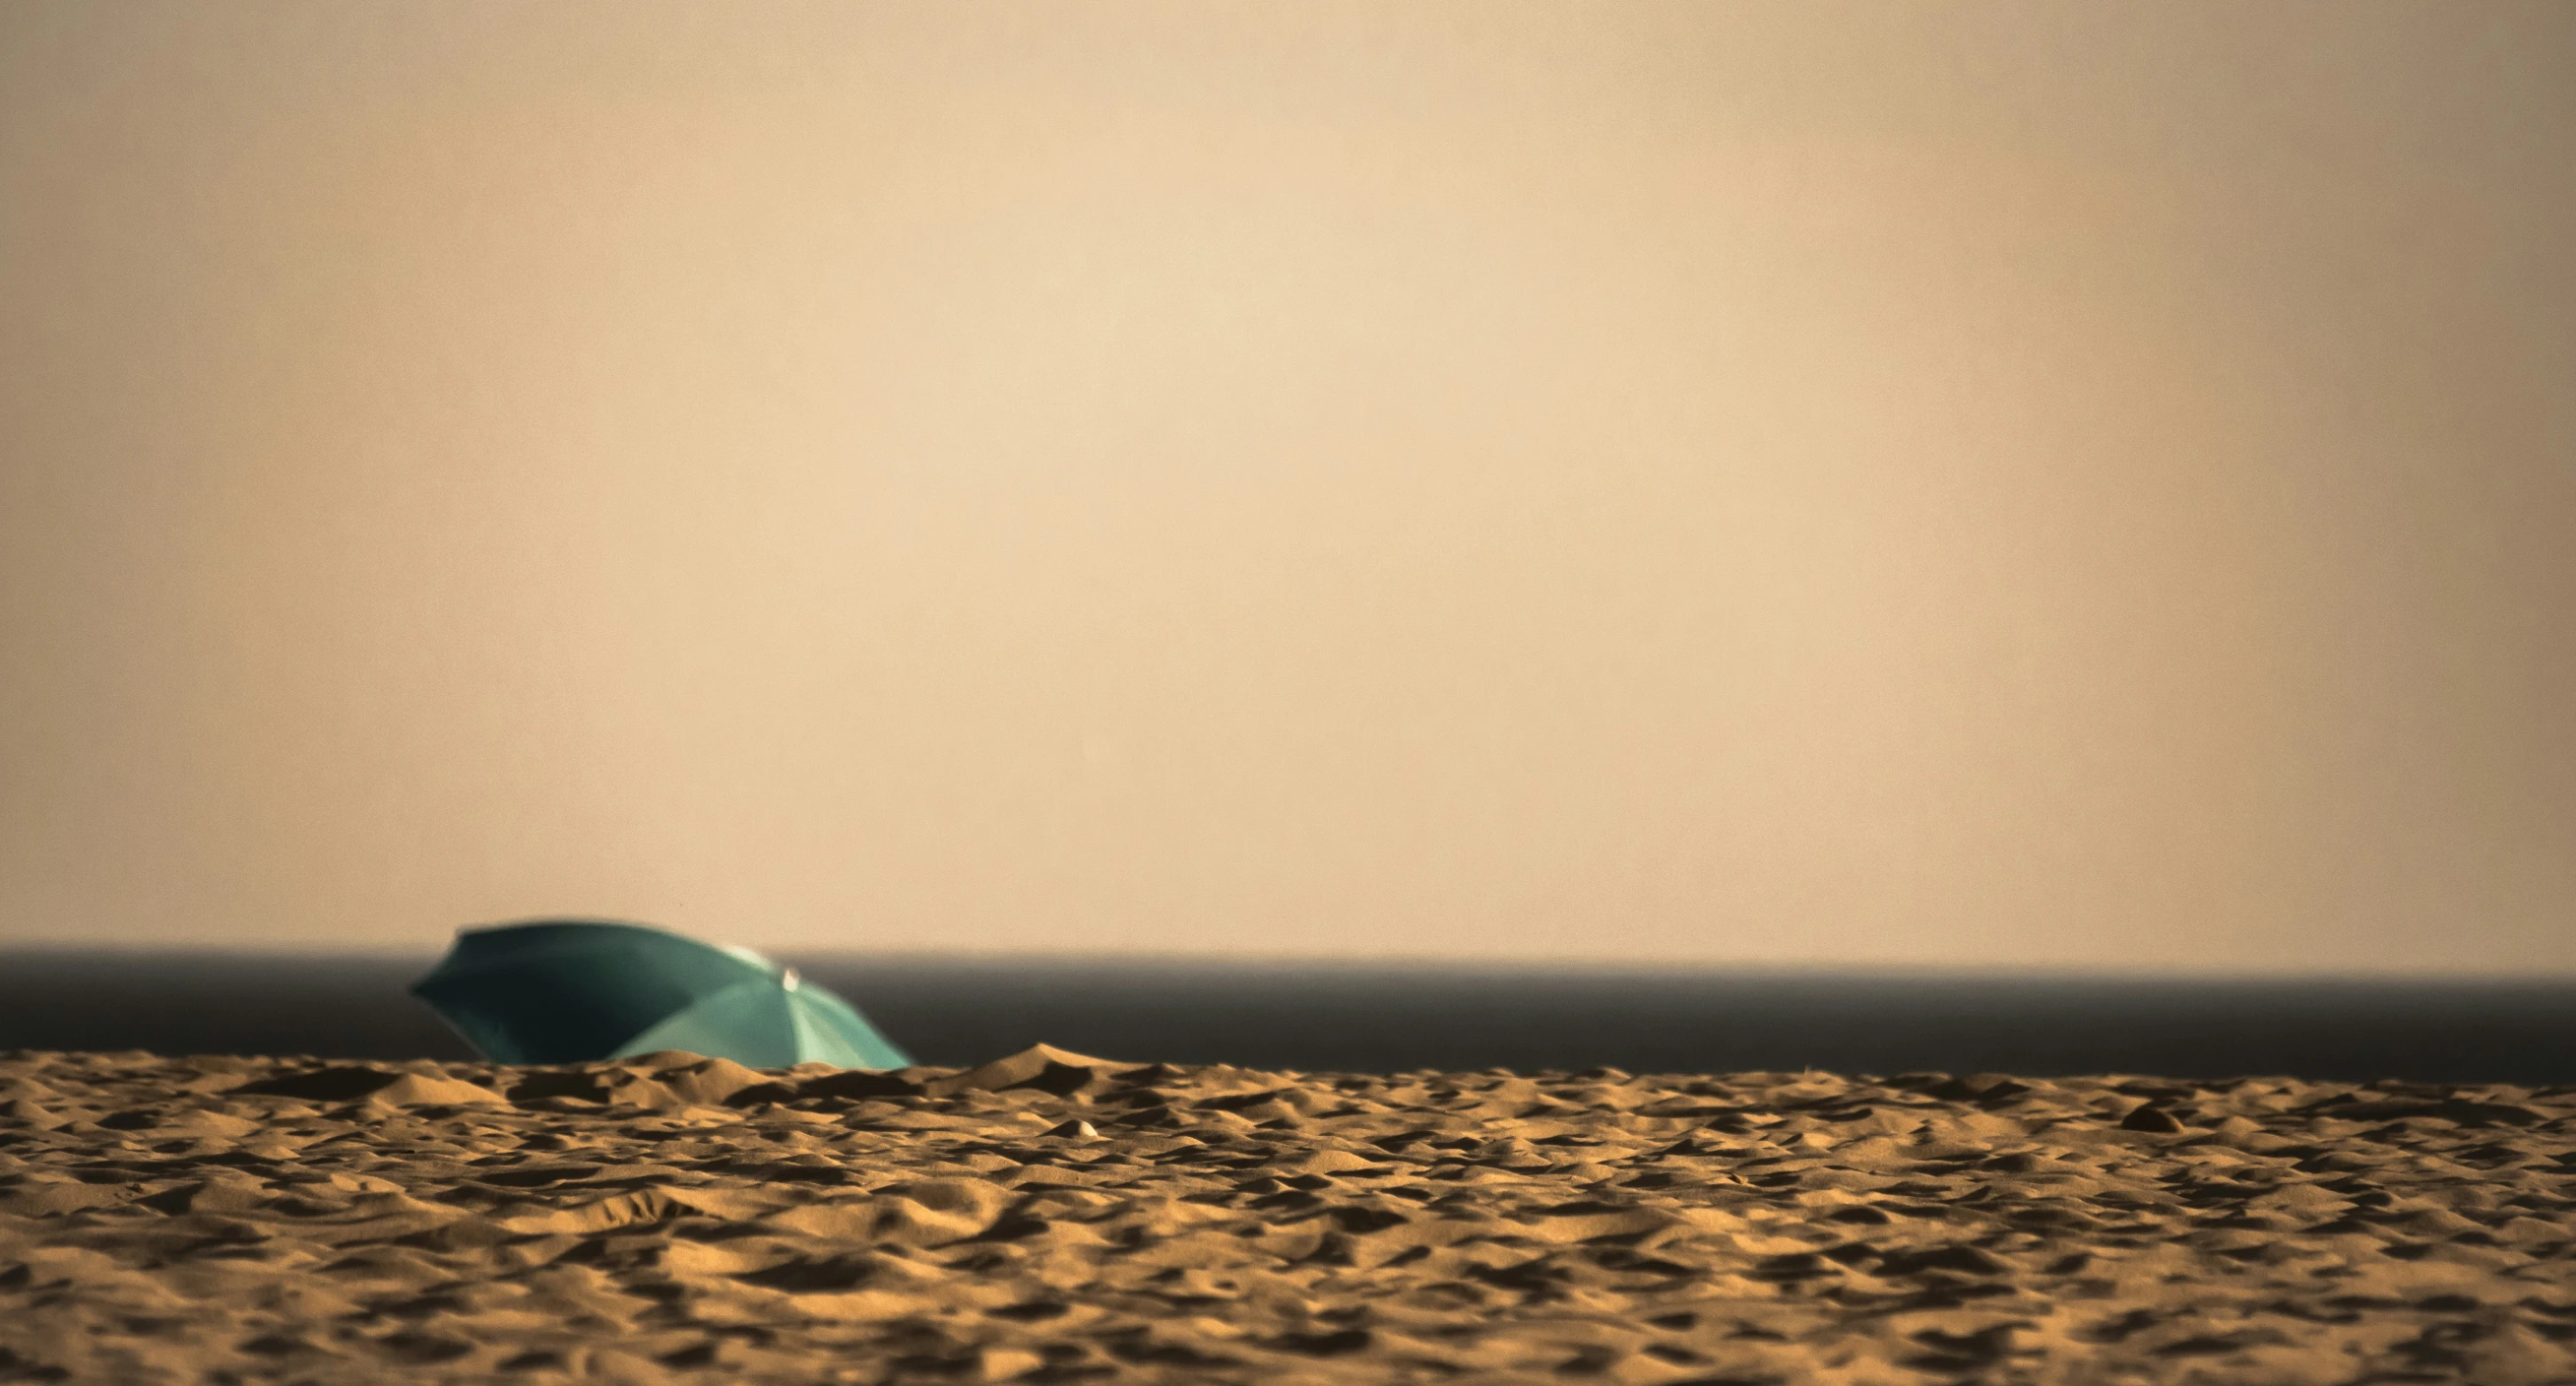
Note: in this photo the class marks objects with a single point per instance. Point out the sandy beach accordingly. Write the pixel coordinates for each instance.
(1052, 1217)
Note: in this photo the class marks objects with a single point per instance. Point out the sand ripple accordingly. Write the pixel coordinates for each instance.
(1049, 1217)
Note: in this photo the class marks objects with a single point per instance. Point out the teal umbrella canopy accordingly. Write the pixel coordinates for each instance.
(566, 990)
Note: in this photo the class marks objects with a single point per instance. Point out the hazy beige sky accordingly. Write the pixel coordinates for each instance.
(1974, 485)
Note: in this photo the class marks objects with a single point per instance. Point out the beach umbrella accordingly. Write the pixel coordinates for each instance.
(565, 990)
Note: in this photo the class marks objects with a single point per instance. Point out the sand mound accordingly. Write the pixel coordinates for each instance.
(1051, 1216)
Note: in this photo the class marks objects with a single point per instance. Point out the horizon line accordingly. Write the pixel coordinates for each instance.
(1638, 968)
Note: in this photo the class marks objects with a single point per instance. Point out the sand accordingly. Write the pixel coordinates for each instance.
(1050, 1217)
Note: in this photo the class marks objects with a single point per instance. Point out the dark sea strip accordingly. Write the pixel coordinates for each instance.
(1351, 1019)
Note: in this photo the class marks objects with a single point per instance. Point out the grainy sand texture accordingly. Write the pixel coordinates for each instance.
(1050, 1217)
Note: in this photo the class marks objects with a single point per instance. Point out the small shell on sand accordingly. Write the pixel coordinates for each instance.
(1052, 1216)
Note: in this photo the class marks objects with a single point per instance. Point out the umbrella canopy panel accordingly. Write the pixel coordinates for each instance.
(563, 991)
